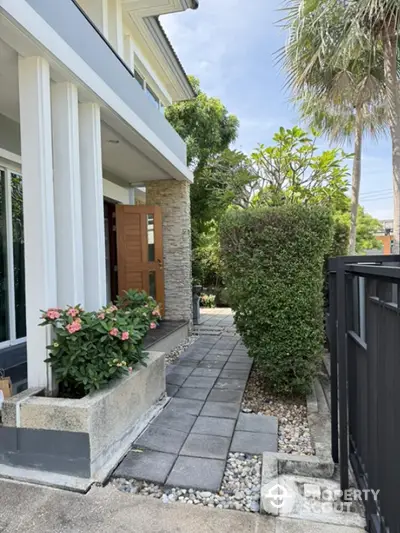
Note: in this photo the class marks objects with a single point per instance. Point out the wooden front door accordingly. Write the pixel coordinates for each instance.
(140, 250)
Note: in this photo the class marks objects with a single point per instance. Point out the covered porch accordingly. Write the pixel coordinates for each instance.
(68, 163)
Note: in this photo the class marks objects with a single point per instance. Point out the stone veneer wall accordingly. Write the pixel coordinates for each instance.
(174, 199)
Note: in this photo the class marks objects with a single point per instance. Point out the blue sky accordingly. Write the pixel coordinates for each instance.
(230, 45)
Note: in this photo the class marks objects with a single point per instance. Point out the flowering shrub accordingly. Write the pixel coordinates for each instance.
(92, 348)
(207, 300)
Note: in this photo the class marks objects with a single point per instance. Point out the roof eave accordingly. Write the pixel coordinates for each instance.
(154, 26)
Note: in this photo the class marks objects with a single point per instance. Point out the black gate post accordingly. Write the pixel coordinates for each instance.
(334, 363)
(342, 357)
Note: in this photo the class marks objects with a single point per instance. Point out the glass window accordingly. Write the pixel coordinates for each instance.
(150, 238)
(4, 316)
(152, 284)
(139, 79)
(152, 97)
(18, 254)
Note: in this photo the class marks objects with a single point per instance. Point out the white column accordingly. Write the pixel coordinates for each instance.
(115, 26)
(129, 52)
(67, 194)
(97, 10)
(94, 253)
(37, 171)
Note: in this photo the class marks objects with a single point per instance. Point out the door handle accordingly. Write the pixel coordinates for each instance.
(160, 264)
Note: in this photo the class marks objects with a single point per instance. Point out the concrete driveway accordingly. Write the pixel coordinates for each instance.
(31, 509)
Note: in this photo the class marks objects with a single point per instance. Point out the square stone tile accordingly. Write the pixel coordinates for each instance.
(180, 370)
(254, 443)
(238, 352)
(257, 423)
(191, 407)
(199, 382)
(209, 364)
(230, 384)
(206, 446)
(175, 379)
(161, 439)
(190, 393)
(220, 427)
(184, 362)
(174, 419)
(235, 374)
(215, 358)
(172, 390)
(227, 396)
(220, 352)
(147, 464)
(221, 409)
(195, 356)
(238, 366)
(206, 372)
(196, 473)
(240, 360)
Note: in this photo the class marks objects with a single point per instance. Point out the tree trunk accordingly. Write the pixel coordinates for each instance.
(356, 180)
(390, 59)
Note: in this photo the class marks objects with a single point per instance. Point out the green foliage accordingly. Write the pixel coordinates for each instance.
(367, 229)
(204, 124)
(206, 267)
(208, 129)
(90, 349)
(340, 240)
(208, 300)
(273, 260)
(294, 171)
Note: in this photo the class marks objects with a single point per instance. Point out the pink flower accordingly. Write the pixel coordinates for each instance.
(125, 336)
(72, 312)
(153, 325)
(53, 314)
(102, 316)
(74, 327)
(156, 312)
(113, 332)
(130, 369)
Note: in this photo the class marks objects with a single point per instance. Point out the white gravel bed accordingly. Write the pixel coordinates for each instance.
(294, 432)
(240, 487)
(174, 354)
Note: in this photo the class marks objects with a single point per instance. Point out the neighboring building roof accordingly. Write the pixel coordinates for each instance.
(154, 26)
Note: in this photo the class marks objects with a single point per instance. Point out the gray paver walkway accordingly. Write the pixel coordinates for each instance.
(187, 445)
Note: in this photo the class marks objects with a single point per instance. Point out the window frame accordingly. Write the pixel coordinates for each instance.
(8, 169)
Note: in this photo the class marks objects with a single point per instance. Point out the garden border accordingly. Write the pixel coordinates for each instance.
(72, 443)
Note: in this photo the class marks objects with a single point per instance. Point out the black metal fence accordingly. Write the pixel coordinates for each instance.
(364, 338)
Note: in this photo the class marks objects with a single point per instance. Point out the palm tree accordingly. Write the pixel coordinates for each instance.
(340, 94)
(346, 123)
(371, 25)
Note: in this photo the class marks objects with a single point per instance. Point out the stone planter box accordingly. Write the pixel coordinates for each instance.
(61, 441)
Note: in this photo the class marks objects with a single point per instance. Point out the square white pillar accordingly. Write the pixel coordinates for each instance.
(129, 52)
(94, 252)
(67, 194)
(98, 12)
(115, 26)
(39, 233)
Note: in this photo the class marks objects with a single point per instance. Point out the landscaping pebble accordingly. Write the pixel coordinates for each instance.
(240, 488)
(294, 432)
(174, 354)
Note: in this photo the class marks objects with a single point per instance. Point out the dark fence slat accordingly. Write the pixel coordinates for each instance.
(364, 339)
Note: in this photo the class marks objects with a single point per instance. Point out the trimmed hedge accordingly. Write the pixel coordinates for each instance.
(273, 260)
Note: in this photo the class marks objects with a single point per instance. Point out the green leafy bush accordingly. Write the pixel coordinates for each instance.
(91, 349)
(273, 261)
(208, 300)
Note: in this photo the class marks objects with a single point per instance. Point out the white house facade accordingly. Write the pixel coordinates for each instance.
(82, 133)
